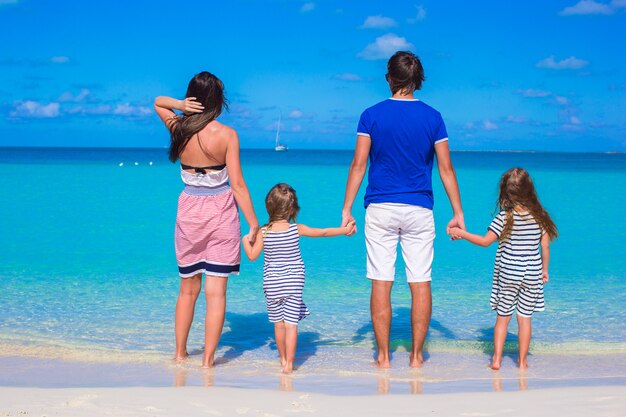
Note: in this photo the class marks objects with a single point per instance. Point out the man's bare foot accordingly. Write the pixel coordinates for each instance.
(522, 364)
(416, 361)
(208, 362)
(382, 364)
(495, 363)
(288, 368)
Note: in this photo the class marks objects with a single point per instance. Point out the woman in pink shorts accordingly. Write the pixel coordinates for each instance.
(207, 232)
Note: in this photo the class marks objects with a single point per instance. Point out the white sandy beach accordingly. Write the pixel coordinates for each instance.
(607, 401)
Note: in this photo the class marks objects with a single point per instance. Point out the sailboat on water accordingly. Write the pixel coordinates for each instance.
(279, 147)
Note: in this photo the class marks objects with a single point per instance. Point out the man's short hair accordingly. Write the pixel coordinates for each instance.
(404, 72)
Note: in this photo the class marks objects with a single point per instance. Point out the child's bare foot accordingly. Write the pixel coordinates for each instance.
(179, 359)
(495, 363)
(208, 362)
(288, 368)
(416, 361)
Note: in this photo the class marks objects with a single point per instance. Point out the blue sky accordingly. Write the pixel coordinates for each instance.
(505, 75)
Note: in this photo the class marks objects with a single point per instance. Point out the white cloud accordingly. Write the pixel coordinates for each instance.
(385, 46)
(126, 109)
(59, 59)
(307, 7)
(296, 114)
(421, 15)
(516, 119)
(587, 7)
(378, 22)
(34, 109)
(574, 120)
(568, 63)
(563, 101)
(618, 4)
(469, 126)
(489, 125)
(348, 77)
(68, 96)
(532, 93)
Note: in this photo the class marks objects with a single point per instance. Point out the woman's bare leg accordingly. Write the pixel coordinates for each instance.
(215, 292)
(185, 305)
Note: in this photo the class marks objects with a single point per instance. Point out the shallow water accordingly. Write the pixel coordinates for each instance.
(87, 267)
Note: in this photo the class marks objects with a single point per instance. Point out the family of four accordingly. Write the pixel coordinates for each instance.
(400, 137)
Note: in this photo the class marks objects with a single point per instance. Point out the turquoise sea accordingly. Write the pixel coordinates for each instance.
(88, 278)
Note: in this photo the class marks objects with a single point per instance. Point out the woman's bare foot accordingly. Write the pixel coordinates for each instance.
(522, 363)
(283, 362)
(288, 368)
(208, 362)
(495, 363)
(416, 361)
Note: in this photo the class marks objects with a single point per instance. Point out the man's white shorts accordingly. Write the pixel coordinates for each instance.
(385, 223)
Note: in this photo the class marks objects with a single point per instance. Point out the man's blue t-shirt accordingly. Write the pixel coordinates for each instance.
(403, 135)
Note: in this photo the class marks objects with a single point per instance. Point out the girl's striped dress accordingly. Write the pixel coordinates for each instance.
(517, 283)
(283, 276)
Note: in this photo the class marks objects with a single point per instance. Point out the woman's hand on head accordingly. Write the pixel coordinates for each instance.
(191, 106)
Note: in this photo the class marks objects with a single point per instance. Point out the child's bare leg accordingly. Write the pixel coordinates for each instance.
(215, 292)
(185, 305)
(291, 341)
(279, 334)
(499, 337)
(524, 333)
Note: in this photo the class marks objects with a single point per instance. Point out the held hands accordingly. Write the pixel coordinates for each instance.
(347, 220)
(190, 106)
(457, 222)
(545, 277)
(350, 228)
(455, 233)
(251, 236)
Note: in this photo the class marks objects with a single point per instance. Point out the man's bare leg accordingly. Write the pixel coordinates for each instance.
(421, 309)
(380, 306)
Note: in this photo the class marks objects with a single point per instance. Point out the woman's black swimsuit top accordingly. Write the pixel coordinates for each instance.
(202, 170)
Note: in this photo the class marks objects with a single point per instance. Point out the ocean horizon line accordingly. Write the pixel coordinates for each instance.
(164, 148)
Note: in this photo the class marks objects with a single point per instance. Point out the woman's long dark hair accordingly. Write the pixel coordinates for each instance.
(209, 91)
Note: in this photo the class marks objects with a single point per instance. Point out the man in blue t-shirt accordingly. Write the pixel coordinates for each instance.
(401, 137)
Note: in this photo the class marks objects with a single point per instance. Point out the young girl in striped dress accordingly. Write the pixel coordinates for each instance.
(283, 270)
(520, 271)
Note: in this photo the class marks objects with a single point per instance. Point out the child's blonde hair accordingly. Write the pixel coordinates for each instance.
(517, 190)
(281, 203)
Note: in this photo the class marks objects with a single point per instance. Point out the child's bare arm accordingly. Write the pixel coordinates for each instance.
(253, 251)
(545, 257)
(327, 232)
(479, 240)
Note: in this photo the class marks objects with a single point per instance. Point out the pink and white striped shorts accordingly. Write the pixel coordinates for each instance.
(207, 232)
